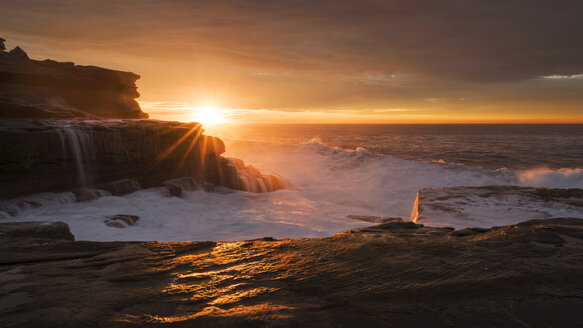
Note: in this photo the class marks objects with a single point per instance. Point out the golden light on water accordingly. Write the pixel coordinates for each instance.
(214, 117)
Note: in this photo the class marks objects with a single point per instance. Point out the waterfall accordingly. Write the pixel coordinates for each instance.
(245, 185)
(261, 184)
(250, 179)
(267, 183)
(79, 142)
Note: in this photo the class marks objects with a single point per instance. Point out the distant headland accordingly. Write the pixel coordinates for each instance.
(50, 89)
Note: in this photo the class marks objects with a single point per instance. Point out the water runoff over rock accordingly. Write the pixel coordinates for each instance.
(77, 141)
(83, 163)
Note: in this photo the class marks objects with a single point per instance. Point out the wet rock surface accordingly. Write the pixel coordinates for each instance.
(464, 206)
(396, 274)
(118, 156)
(374, 219)
(121, 220)
(39, 231)
(65, 127)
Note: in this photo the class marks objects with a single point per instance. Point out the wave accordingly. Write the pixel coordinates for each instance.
(371, 184)
(334, 158)
(329, 183)
(545, 177)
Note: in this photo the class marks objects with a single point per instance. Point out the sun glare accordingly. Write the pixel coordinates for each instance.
(208, 116)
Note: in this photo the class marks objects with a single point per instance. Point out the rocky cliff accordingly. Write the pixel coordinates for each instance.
(118, 156)
(56, 134)
(397, 274)
(49, 89)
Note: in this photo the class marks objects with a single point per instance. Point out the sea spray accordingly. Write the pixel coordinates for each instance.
(328, 183)
(545, 177)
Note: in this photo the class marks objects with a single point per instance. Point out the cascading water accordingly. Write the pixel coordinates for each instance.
(79, 142)
(262, 185)
(250, 179)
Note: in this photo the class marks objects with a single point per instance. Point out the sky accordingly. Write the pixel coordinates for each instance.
(332, 61)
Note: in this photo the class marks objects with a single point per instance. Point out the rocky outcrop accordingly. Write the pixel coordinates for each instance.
(54, 137)
(463, 207)
(118, 156)
(121, 220)
(49, 89)
(40, 232)
(398, 274)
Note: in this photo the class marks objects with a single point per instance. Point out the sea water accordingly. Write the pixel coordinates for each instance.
(335, 171)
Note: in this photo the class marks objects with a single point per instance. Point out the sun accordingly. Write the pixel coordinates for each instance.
(208, 116)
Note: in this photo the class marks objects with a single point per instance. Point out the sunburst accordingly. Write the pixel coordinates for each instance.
(209, 116)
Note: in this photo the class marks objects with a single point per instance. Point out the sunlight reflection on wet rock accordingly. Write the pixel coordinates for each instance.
(224, 272)
(222, 283)
(263, 312)
(364, 277)
(240, 295)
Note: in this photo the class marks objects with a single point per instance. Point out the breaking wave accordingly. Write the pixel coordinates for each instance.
(328, 183)
(545, 177)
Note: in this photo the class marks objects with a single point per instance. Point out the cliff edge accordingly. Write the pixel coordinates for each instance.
(56, 136)
(48, 89)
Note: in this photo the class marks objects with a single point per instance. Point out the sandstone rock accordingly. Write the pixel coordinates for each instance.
(374, 219)
(175, 187)
(89, 194)
(49, 89)
(119, 156)
(468, 232)
(208, 187)
(122, 156)
(398, 225)
(173, 190)
(526, 274)
(463, 207)
(40, 231)
(18, 53)
(2, 46)
(121, 220)
(121, 187)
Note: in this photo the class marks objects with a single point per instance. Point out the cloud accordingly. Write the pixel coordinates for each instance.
(563, 77)
(327, 53)
(478, 41)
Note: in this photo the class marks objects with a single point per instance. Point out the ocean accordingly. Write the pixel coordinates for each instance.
(335, 171)
(500, 146)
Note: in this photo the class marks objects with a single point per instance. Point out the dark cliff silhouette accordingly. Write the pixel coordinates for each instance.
(48, 89)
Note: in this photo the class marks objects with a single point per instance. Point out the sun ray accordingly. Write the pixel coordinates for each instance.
(192, 144)
(170, 149)
(208, 115)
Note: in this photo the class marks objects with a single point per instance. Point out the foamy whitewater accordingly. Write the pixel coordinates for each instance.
(327, 184)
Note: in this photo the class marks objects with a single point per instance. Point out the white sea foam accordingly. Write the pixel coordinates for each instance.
(328, 184)
(544, 177)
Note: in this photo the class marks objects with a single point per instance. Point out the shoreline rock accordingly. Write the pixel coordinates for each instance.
(48, 89)
(493, 205)
(121, 220)
(118, 156)
(66, 127)
(393, 275)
